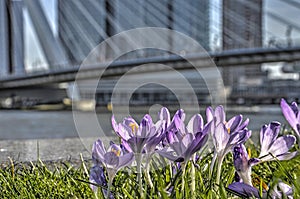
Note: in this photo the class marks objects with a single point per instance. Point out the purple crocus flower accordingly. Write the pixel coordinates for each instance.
(280, 190)
(113, 158)
(243, 163)
(218, 116)
(186, 140)
(139, 138)
(275, 148)
(178, 117)
(97, 177)
(245, 190)
(225, 135)
(292, 115)
(164, 115)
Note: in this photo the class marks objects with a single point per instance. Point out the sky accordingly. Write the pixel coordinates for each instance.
(34, 57)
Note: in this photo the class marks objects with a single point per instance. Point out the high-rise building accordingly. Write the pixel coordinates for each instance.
(193, 19)
(242, 28)
(11, 37)
(4, 53)
(84, 24)
(81, 27)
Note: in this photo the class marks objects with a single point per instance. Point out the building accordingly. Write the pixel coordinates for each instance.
(84, 24)
(11, 38)
(242, 28)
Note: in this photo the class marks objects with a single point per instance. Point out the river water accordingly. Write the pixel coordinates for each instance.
(26, 135)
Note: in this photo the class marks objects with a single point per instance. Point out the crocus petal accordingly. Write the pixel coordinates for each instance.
(199, 141)
(179, 124)
(287, 156)
(242, 163)
(111, 160)
(253, 161)
(171, 137)
(262, 131)
(244, 189)
(209, 114)
(126, 145)
(195, 124)
(286, 189)
(239, 137)
(234, 123)
(268, 135)
(97, 177)
(186, 141)
(220, 114)
(168, 153)
(129, 121)
(176, 146)
(282, 145)
(294, 107)
(243, 125)
(152, 143)
(98, 151)
(289, 114)
(145, 126)
(114, 124)
(180, 113)
(164, 114)
(124, 132)
(221, 137)
(280, 190)
(125, 160)
(137, 144)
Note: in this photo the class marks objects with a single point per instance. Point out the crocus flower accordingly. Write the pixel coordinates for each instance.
(97, 177)
(218, 116)
(186, 140)
(164, 115)
(280, 190)
(225, 135)
(113, 158)
(245, 190)
(177, 119)
(243, 163)
(135, 137)
(292, 115)
(275, 148)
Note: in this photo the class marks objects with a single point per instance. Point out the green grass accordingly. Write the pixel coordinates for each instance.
(36, 180)
(69, 180)
(62, 180)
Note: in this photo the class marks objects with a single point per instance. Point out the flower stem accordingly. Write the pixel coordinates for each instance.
(108, 188)
(139, 173)
(182, 179)
(193, 184)
(148, 177)
(220, 160)
(212, 166)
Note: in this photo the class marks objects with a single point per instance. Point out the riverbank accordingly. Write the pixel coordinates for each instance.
(47, 149)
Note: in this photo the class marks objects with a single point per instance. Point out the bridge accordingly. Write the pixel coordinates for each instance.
(80, 29)
(222, 59)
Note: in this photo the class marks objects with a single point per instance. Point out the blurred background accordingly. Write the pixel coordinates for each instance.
(255, 45)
